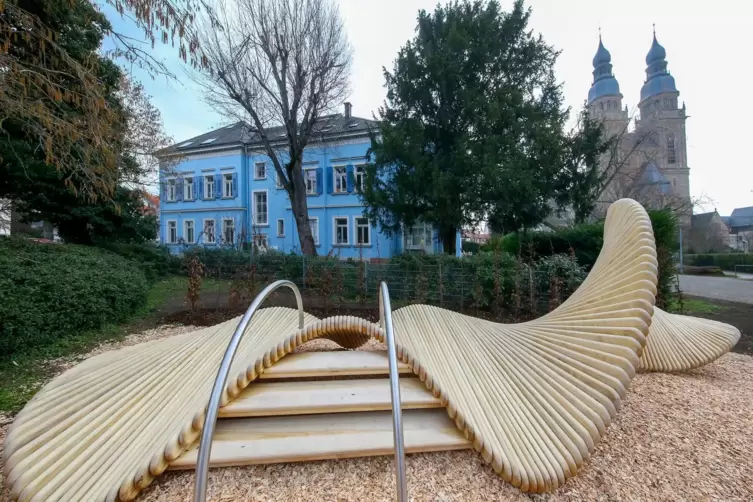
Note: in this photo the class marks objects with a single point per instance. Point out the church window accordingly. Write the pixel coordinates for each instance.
(671, 152)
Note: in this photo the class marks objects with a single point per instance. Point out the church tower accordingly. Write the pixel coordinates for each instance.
(661, 127)
(604, 97)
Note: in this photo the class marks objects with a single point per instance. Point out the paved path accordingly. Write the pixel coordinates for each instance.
(720, 288)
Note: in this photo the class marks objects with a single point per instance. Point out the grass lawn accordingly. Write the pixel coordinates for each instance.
(695, 306)
(24, 374)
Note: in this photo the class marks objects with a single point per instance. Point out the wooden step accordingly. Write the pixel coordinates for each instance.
(326, 396)
(332, 364)
(245, 441)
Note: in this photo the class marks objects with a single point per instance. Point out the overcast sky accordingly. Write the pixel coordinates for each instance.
(708, 50)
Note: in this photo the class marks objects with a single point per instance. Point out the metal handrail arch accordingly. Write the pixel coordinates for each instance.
(210, 421)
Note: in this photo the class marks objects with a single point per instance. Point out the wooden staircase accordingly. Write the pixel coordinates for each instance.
(326, 405)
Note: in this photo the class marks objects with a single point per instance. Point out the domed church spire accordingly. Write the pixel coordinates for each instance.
(604, 83)
(658, 79)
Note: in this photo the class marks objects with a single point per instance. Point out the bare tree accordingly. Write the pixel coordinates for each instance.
(143, 135)
(277, 63)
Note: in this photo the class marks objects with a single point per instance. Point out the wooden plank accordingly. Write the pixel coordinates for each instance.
(245, 441)
(332, 363)
(327, 396)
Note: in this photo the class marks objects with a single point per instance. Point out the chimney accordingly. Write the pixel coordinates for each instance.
(348, 110)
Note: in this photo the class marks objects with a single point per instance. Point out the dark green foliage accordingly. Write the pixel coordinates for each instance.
(484, 281)
(664, 223)
(583, 178)
(50, 291)
(725, 261)
(155, 261)
(472, 123)
(471, 247)
(582, 241)
(585, 243)
(81, 221)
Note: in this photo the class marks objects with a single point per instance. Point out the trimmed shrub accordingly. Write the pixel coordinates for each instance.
(50, 291)
(725, 261)
(155, 261)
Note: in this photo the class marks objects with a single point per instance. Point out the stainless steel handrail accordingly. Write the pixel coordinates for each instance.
(385, 318)
(210, 421)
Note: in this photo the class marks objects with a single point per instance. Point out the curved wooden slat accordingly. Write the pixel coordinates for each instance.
(535, 397)
(680, 343)
(104, 429)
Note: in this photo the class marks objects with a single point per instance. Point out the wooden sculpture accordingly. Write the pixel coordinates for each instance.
(533, 398)
(680, 343)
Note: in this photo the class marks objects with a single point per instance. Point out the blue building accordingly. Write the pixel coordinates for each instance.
(222, 191)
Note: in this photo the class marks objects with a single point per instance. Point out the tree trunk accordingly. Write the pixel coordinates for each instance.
(299, 205)
(448, 240)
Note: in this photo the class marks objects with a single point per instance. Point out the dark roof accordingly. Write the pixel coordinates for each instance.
(741, 217)
(702, 219)
(328, 128)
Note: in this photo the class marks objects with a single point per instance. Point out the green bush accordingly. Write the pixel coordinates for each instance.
(155, 261)
(585, 242)
(50, 291)
(725, 261)
(471, 247)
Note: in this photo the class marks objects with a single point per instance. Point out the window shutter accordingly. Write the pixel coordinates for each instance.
(349, 177)
(179, 189)
(330, 181)
(218, 236)
(198, 187)
(235, 185)
(163, 191)
(319, 180)
(217, 186)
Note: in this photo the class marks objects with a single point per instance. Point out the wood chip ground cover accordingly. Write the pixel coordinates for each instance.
(678, 437)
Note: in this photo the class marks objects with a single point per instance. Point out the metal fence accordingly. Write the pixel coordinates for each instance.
(501, 285)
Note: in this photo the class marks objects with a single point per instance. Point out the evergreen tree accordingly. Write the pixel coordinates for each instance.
(473, 125)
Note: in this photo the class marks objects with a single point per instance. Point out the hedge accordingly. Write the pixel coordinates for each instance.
(725, 261)
(487, 280)
(50, 291)
(155, 261)
(585, 242)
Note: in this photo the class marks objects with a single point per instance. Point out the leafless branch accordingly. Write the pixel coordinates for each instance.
(276, 63)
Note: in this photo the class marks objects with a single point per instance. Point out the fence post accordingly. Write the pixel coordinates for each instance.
(462, 282)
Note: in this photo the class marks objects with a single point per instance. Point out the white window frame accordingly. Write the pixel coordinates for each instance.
(280, 228)
(193, 231)
(265, 223)
(206, 235)
(224, 240)
(427, 229)
(358, 185)
(227, 185)
(355, 231)
(342, 177)
(263, 240)
(188, 188)
(278, 182)
(172, 190)
(208, 182)
(168, 236)
(335, 228)
(256, 170)
(315, 235)
(310, 190)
